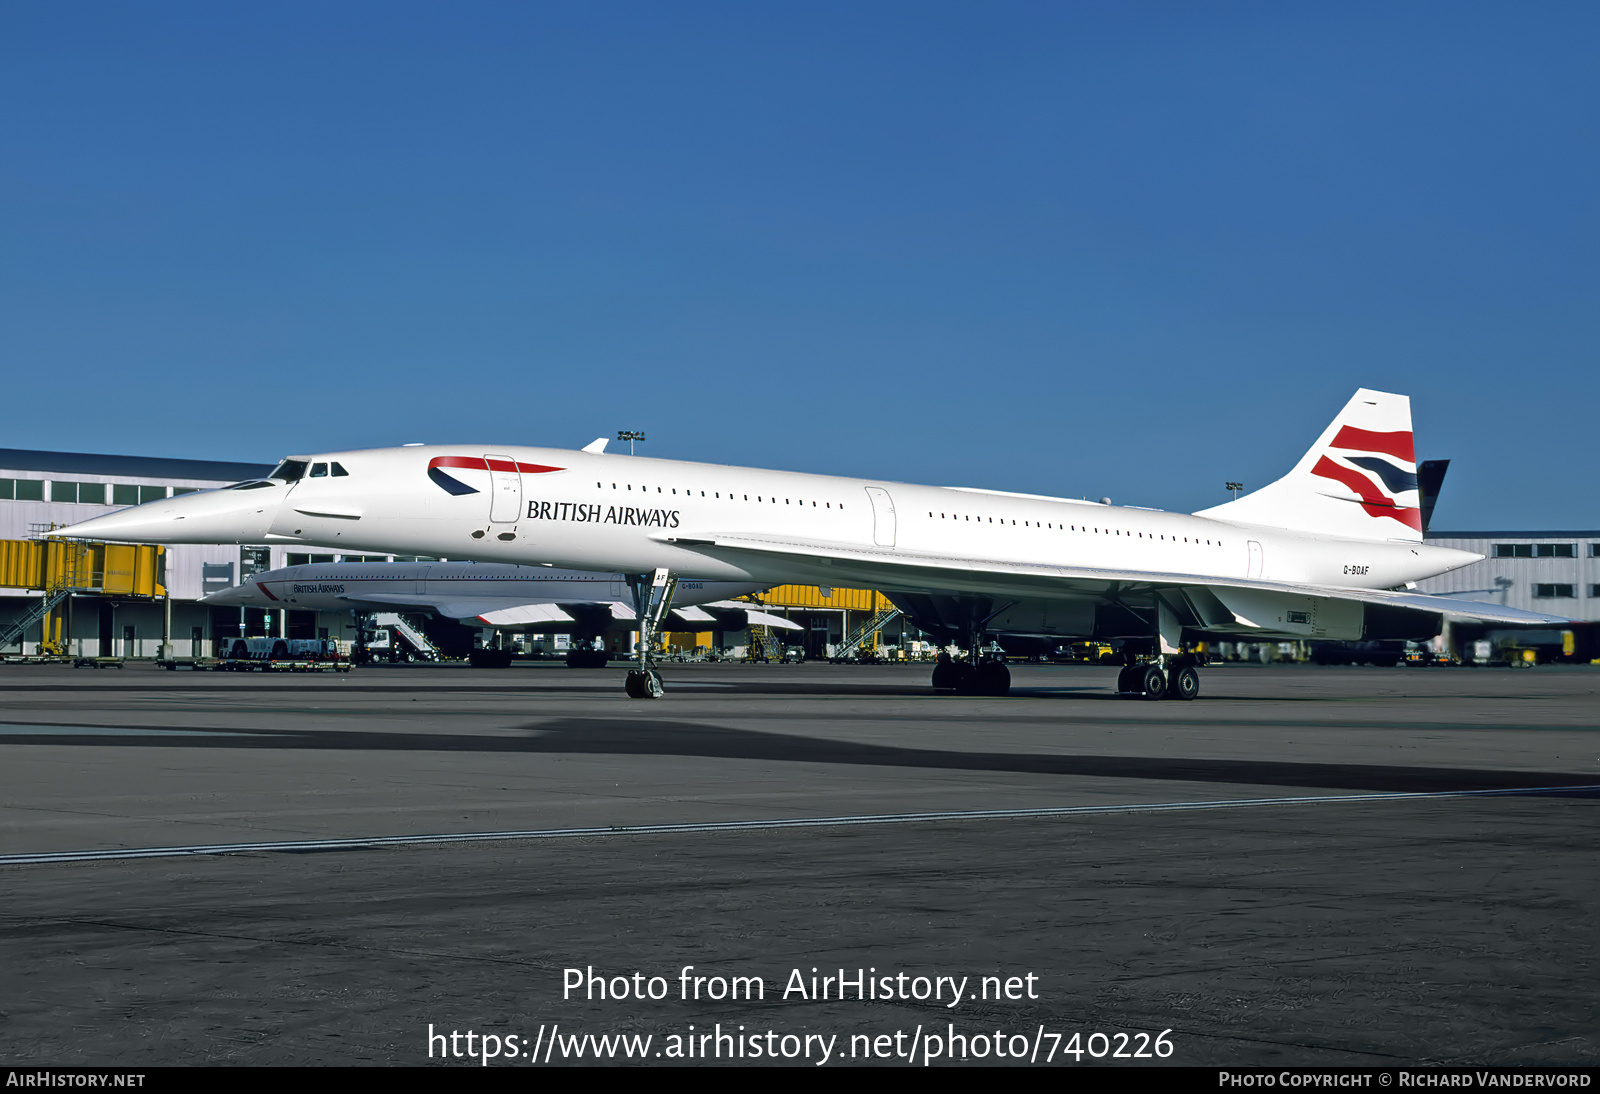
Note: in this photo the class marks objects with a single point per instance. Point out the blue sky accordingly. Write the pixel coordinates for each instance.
(1091, 249)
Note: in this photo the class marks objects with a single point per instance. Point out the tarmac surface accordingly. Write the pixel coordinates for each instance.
(1320, 866)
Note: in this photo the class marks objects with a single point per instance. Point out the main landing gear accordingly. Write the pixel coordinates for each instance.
(652, 602)
(585, 656)
(1162, 678)
(979, 674)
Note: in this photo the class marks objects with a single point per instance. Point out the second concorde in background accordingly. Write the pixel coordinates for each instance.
(518, 598)
(1328, 551)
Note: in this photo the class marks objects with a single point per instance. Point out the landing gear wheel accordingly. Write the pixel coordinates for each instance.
(943, 673)
(1127, 680)
(1185, 684)
(643, 684)
(964, 678)
(993, 679)
(1152, 682)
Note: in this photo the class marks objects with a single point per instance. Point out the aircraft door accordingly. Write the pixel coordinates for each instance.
(422, 581)
(883, 519)
(1257, 562)
(505, 487)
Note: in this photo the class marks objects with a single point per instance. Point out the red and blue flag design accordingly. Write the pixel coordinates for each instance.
(452, 485)
(1378, 468)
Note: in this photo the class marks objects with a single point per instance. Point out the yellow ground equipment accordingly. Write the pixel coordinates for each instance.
(62, 568)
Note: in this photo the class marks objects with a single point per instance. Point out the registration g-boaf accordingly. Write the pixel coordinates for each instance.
(1328, 551)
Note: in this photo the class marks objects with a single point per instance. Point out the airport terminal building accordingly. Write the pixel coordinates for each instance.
(1555, 573)
(44, 490)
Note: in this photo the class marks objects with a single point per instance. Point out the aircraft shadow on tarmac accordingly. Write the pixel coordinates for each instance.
(641, 737)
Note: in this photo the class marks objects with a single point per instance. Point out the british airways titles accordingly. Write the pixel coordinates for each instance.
(579, 513)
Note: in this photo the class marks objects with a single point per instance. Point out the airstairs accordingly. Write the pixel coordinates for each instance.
(43, 607)
(418, 641)
(765, 643)
(866, 633)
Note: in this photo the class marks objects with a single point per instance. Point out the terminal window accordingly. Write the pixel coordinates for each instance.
(215, 576)
(125, 494)
(1553, 592)
(254, 560)
(93, 493)
(22, 489)
(1535, 550)
(295, 559)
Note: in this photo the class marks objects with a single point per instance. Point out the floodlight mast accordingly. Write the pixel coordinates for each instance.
(629, 435)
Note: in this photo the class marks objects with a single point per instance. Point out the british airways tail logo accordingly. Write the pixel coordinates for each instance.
(1378, 468)
(452, 485)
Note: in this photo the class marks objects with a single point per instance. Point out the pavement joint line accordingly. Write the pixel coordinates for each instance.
(361, 842)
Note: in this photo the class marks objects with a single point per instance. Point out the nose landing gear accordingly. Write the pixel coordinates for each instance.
(644, 684)
(652, 602)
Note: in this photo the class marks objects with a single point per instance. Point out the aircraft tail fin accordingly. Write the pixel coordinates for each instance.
(1358, 480)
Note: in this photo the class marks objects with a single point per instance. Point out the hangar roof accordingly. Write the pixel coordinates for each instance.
(146, 467)
(1581, 534)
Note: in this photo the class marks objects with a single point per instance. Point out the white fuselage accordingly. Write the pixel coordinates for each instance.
(616, 512)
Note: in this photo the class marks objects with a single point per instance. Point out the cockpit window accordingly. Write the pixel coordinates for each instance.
(252, 484)
(290, 471)
(319, 470)
(339, 471)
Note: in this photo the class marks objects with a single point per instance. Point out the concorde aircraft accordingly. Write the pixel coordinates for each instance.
(1328, 551)
(506, 597)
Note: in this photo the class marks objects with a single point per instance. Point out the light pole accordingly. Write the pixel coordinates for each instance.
(629, 435)
(1235, 487)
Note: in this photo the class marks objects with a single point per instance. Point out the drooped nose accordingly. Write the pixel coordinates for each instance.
(233, 514)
